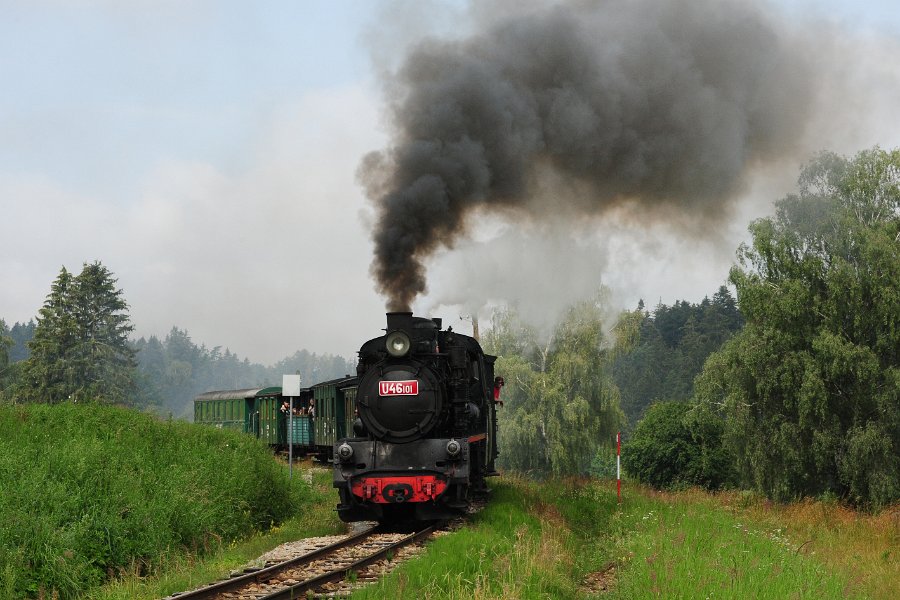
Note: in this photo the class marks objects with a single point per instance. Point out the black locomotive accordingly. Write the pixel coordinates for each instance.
(426, 427)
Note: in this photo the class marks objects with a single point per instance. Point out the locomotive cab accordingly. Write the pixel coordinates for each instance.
(425, 431)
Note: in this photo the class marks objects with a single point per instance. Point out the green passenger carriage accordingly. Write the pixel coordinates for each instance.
(324, 413)
(334, 412)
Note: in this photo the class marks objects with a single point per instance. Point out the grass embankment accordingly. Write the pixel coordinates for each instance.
(184, 572)
(90, 493)
(542, 540)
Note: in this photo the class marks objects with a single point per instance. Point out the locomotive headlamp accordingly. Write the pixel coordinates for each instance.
(345, 452)
(397, 343)
(453, 448)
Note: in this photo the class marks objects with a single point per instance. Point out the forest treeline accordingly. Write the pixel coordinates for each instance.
(569, 392)
(659, 353)
(80, 350)
(793, 390)
(172, 371)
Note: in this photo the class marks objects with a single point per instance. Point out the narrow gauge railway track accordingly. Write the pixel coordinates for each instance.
(293, 578)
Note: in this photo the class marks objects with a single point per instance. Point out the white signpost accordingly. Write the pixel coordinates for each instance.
(290, 387)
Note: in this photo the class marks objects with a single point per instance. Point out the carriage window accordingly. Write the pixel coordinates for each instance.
(475, 370)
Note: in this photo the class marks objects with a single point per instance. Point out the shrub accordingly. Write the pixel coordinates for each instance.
(675, 444)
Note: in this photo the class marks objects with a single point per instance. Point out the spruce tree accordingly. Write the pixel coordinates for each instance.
(7, 368)
(47, 375)
(6, 343)
(80, 348)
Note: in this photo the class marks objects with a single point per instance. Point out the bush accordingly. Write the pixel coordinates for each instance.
(90, 491)
(675, 444)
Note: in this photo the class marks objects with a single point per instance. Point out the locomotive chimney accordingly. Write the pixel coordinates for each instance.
(399, 320)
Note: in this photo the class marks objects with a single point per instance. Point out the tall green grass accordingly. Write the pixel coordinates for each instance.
(316, 517)
(540, 540)
(90, 492)
(517, 547)
(678, 547)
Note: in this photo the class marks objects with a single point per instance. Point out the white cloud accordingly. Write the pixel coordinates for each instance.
(266, 261)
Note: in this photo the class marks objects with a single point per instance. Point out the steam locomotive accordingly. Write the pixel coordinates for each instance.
(426, 426)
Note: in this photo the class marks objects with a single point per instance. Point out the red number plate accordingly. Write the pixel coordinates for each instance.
(398, 388)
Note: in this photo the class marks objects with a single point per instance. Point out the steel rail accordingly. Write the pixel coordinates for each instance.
(299, 590)
(235, 583)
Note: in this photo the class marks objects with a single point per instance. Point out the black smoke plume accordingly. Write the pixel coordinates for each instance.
(660, 104)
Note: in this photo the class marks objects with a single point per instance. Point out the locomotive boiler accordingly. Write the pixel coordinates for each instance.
(426, 428)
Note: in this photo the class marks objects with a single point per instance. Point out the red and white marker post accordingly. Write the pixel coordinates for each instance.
(619, 466)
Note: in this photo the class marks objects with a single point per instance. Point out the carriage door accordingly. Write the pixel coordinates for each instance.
(251, 416)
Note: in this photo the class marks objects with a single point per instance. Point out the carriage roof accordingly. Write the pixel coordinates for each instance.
(237, 394)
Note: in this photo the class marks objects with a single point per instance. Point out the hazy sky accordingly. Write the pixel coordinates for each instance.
(206, 152)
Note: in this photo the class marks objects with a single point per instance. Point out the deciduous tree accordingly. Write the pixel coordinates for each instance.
(810, 389)
(560, 402)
